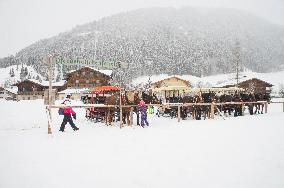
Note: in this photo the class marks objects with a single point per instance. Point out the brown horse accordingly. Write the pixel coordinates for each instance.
(111, 111)
(134, 97)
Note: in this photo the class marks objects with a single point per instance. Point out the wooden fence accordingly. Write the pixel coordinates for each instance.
(167, 105)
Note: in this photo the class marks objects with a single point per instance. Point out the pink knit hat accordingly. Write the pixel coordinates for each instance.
(141, 103)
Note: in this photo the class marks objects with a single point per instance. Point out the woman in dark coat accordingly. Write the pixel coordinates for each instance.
(68, 112)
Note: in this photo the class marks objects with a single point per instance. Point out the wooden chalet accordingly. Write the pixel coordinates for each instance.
(8, 93)
(31, 89)
(254, 85)
(87, 77)
(171, 86)
(170, 81)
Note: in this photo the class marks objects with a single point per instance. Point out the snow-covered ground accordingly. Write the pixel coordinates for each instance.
(237, 152)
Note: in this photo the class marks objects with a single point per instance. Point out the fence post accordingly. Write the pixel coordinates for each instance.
(178, 113)
(243, 109)
(131, 116)
(265, 107)
(49, 119)
(107, 115)
(212, 111)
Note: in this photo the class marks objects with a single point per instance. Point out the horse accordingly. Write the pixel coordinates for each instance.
(259, 106)
(208, 98)
(112, 111)
(185, 110)
(226, 108)
(134, 97)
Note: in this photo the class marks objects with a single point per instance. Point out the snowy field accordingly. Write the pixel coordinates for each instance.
(242, 152)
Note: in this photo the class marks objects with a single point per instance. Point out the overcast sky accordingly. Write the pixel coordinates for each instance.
(26, 21)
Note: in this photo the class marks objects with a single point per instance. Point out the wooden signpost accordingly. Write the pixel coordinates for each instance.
(48, 62)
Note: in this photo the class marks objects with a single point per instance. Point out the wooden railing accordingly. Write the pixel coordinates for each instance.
(30, 92)
(168, 105)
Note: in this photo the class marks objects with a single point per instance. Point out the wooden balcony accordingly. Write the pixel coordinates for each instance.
(31, 93)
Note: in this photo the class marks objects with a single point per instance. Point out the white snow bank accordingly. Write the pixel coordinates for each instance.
(22, 115)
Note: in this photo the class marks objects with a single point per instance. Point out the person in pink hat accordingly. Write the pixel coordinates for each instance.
(143, 112)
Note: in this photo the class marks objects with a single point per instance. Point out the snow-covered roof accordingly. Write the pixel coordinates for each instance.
(75, 90)
(46, 83)
(156, 78)
(171, 88)
(36, 81)
(106, 72)
(57, 84)
(13, 90)
(220, 80)
(176, 76)
(233, 81)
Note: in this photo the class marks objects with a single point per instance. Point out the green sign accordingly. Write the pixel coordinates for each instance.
(88, 62)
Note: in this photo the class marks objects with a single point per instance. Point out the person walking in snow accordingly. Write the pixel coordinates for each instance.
(68, 112)
(143, 111)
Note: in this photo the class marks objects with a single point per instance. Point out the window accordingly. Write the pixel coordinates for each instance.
(98, 81)
(84, 73)
(91, 73)
(87, 81)
(77, 81)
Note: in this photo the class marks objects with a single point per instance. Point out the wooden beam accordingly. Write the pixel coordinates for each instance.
(212, 110)
(178, 113)
(243, 109)
(131, 116)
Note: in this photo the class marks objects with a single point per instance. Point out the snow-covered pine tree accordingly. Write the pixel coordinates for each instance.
(148, 84)
(281, 90)
(7, 84)
(58, 78)
(22, 73)
(12, 73)
(26, 71)
(38, 78)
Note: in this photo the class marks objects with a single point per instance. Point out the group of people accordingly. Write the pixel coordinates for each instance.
(68, 113)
